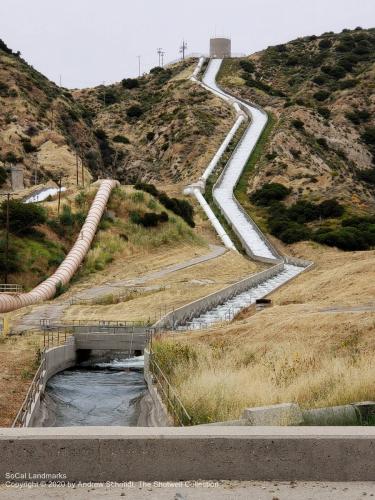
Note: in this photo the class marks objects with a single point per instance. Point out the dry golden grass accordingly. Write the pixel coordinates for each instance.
(18, 360)
(177, 289)
(294, 351)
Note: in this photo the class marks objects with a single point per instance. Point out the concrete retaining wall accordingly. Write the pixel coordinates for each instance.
(126, 342)
(57, 359)
(191, 453)
(158, 413)
(199, 306)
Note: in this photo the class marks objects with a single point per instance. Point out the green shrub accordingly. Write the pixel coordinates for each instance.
(148, 188)
(10, 157)
(134, 112)
(3, 175)
(325, 43)
(294, 232)
(27, 146)
(298, 124)
(4, 89)
(320, 79)
(269, 193)
(14, 264)
(109, 96)
(322, 141)
(324, 112)
(303, 211)
(368, 136)
(337, 71)
(23, 217)
(321, 95)
(180, 207)
(345, 238)
(366, 175)
(247, 66)
(121, 139)
(150, 136)
(347, 84)
(130, 83)
(149, 219)
(106, 150)
(330, 209)
(60, 289)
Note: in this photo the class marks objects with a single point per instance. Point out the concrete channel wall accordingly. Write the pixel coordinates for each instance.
(158, 414)
(184, 313)
(57, 359)
(191, 453)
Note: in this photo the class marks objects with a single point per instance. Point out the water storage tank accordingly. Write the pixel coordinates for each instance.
(220, 47)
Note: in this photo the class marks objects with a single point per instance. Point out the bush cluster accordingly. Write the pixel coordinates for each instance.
(288, 224)
(269, 193)
(27, 146)
(3, 175)
(67, 223)
(130, 83)
(134, 111)
(180, 207)
(107, 152)
(258, 84)
(247, 66)
(121, 139)
(23, 217)
(149, 219)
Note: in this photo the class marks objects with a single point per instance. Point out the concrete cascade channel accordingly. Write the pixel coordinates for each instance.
(109, 391)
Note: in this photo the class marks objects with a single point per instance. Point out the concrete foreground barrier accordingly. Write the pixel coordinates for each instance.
(171, 454)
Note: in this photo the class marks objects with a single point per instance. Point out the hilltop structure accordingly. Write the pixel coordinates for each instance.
(220, 48)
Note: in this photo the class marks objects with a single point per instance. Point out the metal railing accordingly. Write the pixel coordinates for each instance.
(48, 324)
(37, 382)
(55, 337)
(169, 395)
(10, 288)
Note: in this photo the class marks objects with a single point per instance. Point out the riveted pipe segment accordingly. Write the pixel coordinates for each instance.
(64, 273)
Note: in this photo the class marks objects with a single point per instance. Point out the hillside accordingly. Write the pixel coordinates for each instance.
(41, 127)
(160, 127)
(319, 92)
(315, 346)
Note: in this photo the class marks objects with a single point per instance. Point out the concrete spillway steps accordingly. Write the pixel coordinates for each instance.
(223, 193)
(227, 310)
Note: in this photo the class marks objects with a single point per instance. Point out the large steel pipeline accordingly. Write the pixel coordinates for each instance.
(47, 289)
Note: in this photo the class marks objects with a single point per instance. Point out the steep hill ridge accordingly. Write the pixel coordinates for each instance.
(320, 93)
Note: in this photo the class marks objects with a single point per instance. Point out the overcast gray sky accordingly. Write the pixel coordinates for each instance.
(91, 41)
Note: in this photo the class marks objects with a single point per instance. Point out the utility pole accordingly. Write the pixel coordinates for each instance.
(60, 80)
(58, 203)
(183, 49)
(162, 58)
(160, 52)
(83, 174)
(77, 180)
(7, 241)
(139, 65)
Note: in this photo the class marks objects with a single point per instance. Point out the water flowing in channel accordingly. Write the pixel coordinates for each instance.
(95, 393)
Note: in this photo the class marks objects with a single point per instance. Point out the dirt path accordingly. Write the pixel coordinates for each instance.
(55, 310)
